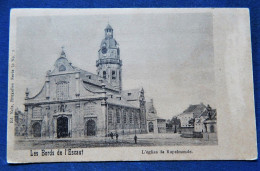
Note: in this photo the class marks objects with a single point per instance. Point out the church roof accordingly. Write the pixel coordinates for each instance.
(135, 103)
(132, 94)
(120, 102)
(94, 79)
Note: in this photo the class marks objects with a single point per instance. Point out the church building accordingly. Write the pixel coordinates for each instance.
(76, 103)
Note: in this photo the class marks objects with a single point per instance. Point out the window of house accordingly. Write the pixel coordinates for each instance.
(104, 74)
(117, 116)
(62, 90)
(110, 115)
(113, 75)
(129, 94)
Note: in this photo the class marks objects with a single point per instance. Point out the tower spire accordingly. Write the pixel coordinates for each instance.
(109, 63)
(62, 52)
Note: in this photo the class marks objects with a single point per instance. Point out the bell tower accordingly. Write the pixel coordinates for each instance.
(109, 65)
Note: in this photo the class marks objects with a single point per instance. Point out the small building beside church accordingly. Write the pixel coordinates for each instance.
(155, 124)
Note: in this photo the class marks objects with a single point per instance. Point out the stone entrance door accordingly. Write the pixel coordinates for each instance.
(151, 128)
(36, 129)
(90, 128)
(62, 127)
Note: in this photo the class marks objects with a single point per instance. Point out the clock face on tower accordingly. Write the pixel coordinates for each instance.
(104, 50)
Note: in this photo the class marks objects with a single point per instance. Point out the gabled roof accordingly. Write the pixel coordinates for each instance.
(197, 110)
(120, 102)
(190, 108)
(205, 113)
(86, 76)
(94, 79)
(134, 103)
(132, 94)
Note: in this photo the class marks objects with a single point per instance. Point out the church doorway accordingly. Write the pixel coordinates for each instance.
(151, 128)
(90, 128)
(36, 129)
(62, 127)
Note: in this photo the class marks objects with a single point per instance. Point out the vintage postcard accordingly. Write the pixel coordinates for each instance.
(130, 85)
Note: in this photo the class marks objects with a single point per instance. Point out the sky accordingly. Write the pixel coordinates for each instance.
(170, 55)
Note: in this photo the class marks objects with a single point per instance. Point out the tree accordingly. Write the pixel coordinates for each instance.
(176, 123)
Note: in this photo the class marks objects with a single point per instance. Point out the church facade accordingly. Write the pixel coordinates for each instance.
(76, 103)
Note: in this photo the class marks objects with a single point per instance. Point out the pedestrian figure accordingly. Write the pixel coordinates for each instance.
(117, 137)
(135, 139)
(111, 134)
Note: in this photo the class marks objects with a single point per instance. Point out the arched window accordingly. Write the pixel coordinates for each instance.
(136, 118)
(36, 129)
(124, 117)
(131, 117)
(119, 75)
(150, 125)
(90, 128)
(113, 75)
(117, 116)
(104, 74)
(110, 115)
(62, 68)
